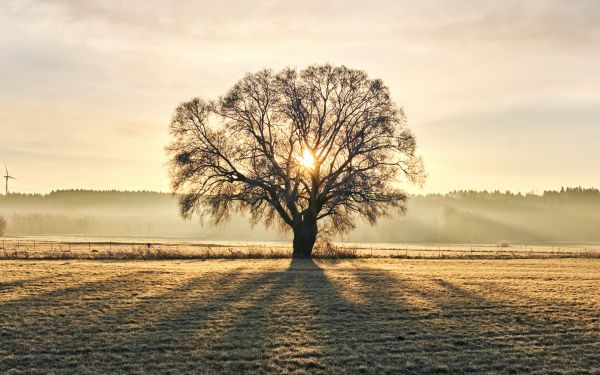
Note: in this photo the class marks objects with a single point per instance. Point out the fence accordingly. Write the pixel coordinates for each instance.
(32, 248)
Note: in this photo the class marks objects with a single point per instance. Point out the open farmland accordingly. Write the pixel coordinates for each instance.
(257, 316)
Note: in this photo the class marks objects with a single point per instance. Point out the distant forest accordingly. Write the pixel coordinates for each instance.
(570, 215)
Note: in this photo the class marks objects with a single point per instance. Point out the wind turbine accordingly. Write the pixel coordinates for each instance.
(6, 177)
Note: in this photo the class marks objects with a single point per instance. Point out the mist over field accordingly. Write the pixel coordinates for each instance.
(570, 215)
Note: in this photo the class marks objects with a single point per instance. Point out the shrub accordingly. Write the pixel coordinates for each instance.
(328, 250)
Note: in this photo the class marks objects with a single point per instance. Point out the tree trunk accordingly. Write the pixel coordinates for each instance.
(305, 235)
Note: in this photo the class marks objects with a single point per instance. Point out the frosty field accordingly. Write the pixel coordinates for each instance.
(258, 316)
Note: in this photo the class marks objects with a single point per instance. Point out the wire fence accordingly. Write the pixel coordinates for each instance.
(34, 248)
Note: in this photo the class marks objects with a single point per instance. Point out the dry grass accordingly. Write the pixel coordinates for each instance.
(131, 249)
(273, 316)
(142, 253)
(247, 252)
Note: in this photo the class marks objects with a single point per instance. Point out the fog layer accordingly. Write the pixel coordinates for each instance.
(569, 215)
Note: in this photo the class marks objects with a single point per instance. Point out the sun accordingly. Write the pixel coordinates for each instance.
(307, 159)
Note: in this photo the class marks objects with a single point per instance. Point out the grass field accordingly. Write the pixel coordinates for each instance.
(257, 316)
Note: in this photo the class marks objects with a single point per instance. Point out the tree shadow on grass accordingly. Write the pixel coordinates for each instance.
(43, 325)
(256, 323)
(13, 284)
(289, 327)
(280, 320)
(468, 331)
(298, 319)
(183, 334)
(102, 325)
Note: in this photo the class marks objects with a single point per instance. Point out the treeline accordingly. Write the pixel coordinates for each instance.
(565, 215)
(79, 198)
(87, 199)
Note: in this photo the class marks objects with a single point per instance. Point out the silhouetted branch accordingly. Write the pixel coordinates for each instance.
(243, 151)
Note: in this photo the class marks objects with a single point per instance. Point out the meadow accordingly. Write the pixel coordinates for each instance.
(282, 316)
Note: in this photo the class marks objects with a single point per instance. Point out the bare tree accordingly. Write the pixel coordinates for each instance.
(305, 150)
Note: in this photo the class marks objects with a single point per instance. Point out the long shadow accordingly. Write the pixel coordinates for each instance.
(248, 343)
(291, 327)
(278, 321)
(77, 320)
(485, 333)
(8, 285)
(57, 296)
(40, 325)
(186, 332)
(340, 324)
(297, 319)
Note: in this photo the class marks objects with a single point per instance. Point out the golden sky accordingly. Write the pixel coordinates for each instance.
(500, 94)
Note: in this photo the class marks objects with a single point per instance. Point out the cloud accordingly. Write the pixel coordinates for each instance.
(96, 78)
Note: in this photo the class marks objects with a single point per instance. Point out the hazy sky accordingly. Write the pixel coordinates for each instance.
(501, 94)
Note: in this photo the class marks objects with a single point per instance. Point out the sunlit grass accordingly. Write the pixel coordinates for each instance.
(257, 316)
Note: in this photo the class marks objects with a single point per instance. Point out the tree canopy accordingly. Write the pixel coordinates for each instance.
(305, 150)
